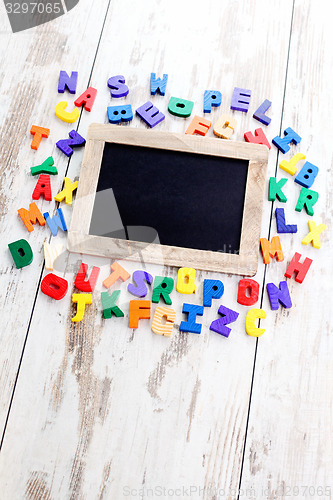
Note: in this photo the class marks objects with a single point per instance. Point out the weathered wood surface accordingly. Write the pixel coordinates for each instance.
(98, 407)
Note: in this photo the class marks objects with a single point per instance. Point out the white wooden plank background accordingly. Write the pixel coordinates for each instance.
(98, 407)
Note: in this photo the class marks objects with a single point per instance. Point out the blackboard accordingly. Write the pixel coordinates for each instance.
(172, 199)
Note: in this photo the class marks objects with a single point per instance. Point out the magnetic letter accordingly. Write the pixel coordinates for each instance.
(198, 126)
(150, 114)
(65, 116)
(163, 328)
(270, 249)
(162, 287)
(277, 295)
(56, 222)
(211, 98)
(21, 252)
(250, 326)
(83, 284)
(180, 107)
(74, 141)
(47, 167)
(296, 267)
(225, 126)
(86, 99)
(186, 280)
(290, 166)
(282, 143)
(228, 316)
(51, 253)
(117, 114)
(190, 325)
(158, 84)
(67, 81)
(314, 233)
(109, 305)
(118, 273)
(248, 292)
(260, 113)
(275, 190)
(54, 286)
(213, 289)
(117, 86)
(38, 133)
(67, 193)
(307, 175)
(43, 187)
(81, 299)
(258, 137)
(281, 225)
(240, 99)
(307, 199)
(31, 216)
(140, 289)
(139, 309)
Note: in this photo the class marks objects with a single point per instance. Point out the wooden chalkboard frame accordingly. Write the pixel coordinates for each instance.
(245, 263)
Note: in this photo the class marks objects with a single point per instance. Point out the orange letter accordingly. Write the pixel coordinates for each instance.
(198, 126)
(270, 249)
(139, 309)
(38, 133)
(31, 216)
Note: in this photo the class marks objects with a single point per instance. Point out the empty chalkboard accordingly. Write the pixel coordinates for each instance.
(171, 199)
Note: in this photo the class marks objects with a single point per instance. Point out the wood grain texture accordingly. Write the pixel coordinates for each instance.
(98, 407)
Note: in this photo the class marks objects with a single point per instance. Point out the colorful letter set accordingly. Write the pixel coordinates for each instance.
(164, 317)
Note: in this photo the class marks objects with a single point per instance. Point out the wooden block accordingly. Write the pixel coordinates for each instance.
(86, 99)
(81, 299)
(150, 114)
(51, 253)
(213, 289)
(82, 283)
(109, 304)
(66, 145)
(117, 114)
(281, 225)
(67, 193)
(67, 81)
(65, 116)
(219, 325)
(270, 249)
(307, 175)
(186, 280)
(278, 295)
(307, 198)
(139, 309)
(158, 84)
(47, 167)
(275, 190)
(211, 98)
(250, 326)
(282, 143)
(117, 86)
(31, 216)
(139, 278)
(180, 107)
(290, 166)
(43, 187)
(248, 292)
(54, 286)
(118, 273)
(198, 126)
(56, 222)
(314, 233)
(21, 252)
(295, 266)
(225, 126)
(240, 99)
(162, 288)
(190, 325)
(163, 328)
(260, 113)
(38, 133)
(259, 137)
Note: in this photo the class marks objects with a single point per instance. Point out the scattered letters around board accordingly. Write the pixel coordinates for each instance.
(170, 199)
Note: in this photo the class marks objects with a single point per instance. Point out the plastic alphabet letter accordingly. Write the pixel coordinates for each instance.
(211, 98)
(86, 99)
(109, 304)
(53, 286)
(282, 143)
(275, 190)
(139, 278)
(158, 326)
(139, 309)
(250, 326)
(258, 137)
(190, 325)
(270, 249)
(219, 325)
(56, 222)
(65, 116)
(67, 193)
(186, 280)
(198, 126)
(117, 86)
(150, 114)
(213, 289)
(83, 284)
(66, 145)
(248, 292)
(281, 225)
(47, 167)
(180, 107)
(38, 133)
(277, 295)
(240, 99)
(158, 84)
(21, 252)
(51, 253)
(260, 113)
(307, 199)
(290, 166)
(117, 114)
(296, 267)
(67, 81)
(314, 233)
(162, 287)
(118, 273)
(307, 175)
(225, 126)
(81, 299)
(43, 187)
(31, 216)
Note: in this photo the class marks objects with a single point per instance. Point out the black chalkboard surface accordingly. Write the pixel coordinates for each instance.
(170, 199)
